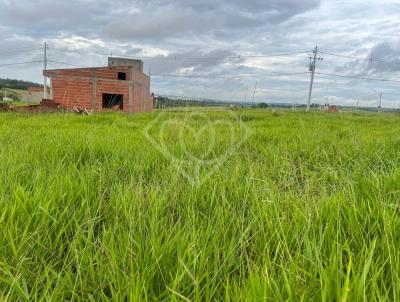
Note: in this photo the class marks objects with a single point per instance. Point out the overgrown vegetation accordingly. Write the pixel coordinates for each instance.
(306, 209)
(17, 84)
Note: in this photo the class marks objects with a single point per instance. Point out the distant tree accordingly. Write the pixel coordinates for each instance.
(262, 105)
(17, 84)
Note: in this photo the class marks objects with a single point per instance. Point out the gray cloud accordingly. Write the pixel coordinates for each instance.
(151, 19)
(163, 19)
(389, 53)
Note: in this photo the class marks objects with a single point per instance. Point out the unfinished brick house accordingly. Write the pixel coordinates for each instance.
(122, 85)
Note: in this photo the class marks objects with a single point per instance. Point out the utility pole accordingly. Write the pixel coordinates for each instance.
(380, 102)
(313, 64)
(358, 103)
(45, 68)
(254, 93)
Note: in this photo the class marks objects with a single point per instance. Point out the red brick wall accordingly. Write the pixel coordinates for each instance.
(72, 92)
(142, 100)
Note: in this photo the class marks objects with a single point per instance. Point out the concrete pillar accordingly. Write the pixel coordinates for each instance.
(51, 89)
(142, 98)
(94, 100)
(130, 101)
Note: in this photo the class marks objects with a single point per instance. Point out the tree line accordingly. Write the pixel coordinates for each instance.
(17, 84)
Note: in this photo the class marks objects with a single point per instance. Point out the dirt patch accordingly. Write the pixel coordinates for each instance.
(4, 107)
(44, 106)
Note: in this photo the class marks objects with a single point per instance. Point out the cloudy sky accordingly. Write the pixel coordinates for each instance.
(217, 40)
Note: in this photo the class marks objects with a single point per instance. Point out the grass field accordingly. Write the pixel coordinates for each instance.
(304, 207)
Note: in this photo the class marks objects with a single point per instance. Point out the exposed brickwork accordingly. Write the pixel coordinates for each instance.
(49, 104)
(74, 87)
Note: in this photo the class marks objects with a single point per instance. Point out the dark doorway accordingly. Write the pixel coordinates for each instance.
(113, 101)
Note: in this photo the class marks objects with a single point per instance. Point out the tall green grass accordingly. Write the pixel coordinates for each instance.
(307, 209)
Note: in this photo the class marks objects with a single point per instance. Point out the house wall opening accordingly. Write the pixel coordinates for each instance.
(122, 76)
(113, 101)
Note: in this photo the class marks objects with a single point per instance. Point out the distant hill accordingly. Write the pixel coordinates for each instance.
(17, 84)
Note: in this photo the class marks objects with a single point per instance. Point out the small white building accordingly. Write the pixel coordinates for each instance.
(6, 98)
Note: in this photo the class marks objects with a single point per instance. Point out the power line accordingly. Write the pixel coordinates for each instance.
(276, 55)
(341, 56)
(52, 65)
(338, 89)
(196, 58)
(67, 64)
(233, 57)
(198, 75)
(335, 85)
(358, 77)
(242, 56)
(21, 63)
(20, 50)
(177, 58)
(371, 59)
(228, 76)
(64, 50)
